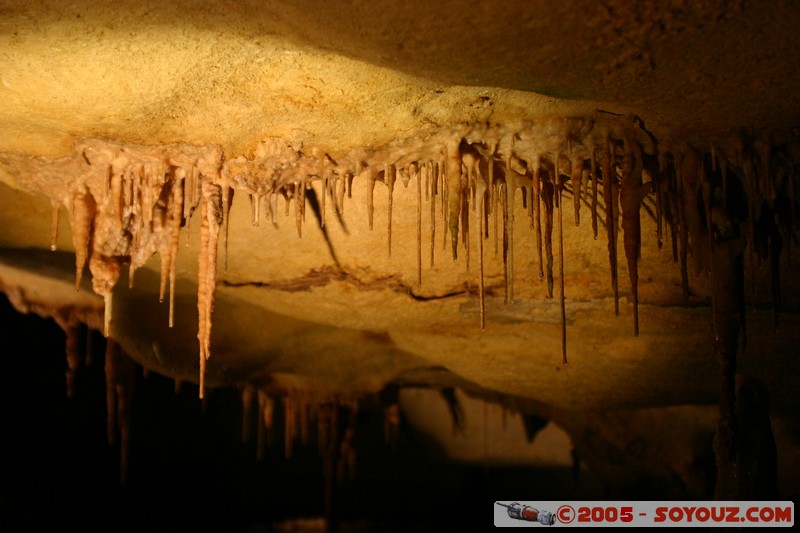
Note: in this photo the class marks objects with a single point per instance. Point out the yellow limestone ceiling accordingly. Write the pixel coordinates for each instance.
(334, 79)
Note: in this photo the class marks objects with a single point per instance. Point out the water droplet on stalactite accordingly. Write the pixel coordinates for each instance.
(83, 212)
(54, 225)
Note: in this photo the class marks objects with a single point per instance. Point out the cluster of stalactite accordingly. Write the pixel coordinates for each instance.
(128, 202)
(328, 420)
(334, 419)
(120, 380)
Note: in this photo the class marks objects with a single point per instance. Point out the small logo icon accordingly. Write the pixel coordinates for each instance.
(528, 513)
(565, 514)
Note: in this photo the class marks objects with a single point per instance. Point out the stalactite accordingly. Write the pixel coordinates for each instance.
(74, 359)
(133, 201)
(683, 231)
(493, 201)
(465, 226)
(175, 218)
(211, 218)
(749, 180)
(537, 212)
(611, 220)
(576, 175)
(54, 208)
(504, 208)
(227, 203)
(481, 190)
(727, 274)
(370, 175)
(105, 273)
(528, 202)
(508, 247)
(266, 408)
(261, 431)
(120, 373)
(453, 185)
(83, 212)
(434, 189)
(304, 408)
(562, 296)
(300, 205)
(290, 425)
(323, 199)
(632, 192)
(390, 177)
(548, 193)
(248, 393)
(112, 353)
(423, 169)
(288, 194)
(391, 424)
(340, 194)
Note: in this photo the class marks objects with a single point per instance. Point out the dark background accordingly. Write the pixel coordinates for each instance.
(189, 468)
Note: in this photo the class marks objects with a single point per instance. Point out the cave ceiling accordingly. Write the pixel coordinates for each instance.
(332, 161)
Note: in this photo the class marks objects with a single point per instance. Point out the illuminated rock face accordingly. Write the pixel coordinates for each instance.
(417, 222)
